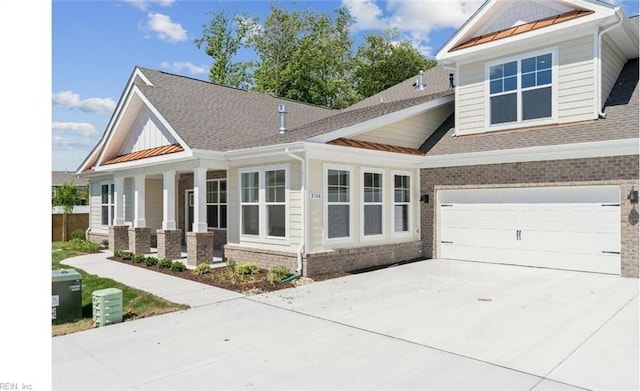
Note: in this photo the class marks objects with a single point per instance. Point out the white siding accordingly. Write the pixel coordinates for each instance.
(95, 211)
(576, 88)
(410, 132)
(148, 132)
(612, 63)
(128, 202)
(520, 11)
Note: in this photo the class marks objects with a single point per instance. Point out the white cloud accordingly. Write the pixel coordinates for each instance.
(82, 128)
(164, 28)
(179, 66)
(72, 100)
(145, 4)
(415, 20)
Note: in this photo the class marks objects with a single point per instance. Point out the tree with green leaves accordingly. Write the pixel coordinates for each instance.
(67, 196)
(383, 61)
(222, 38)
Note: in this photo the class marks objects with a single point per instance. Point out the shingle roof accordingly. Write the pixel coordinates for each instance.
(214, 117)
(621, 122)
(522, 28)
(62, 177)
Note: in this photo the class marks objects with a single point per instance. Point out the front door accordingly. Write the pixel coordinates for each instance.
(188, 211)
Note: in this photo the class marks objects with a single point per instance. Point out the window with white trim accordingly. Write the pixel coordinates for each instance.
(372, 203)
(263, 202)
(107, 210)
(521, 89)
(217, 203)
(401, 203)
(338, 203)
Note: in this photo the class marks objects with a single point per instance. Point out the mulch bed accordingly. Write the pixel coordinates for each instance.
(254, 284)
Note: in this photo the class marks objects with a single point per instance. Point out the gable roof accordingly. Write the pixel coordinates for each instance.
(621, 122)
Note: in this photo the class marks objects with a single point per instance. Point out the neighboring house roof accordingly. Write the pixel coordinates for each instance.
(59, 178)
(522, 28)
(210, 116)
(621, 122)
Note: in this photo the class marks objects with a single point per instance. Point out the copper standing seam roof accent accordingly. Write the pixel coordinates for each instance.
(145, 153)
(523, 28)
(346, 142)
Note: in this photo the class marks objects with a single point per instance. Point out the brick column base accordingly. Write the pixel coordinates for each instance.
(169, 243)
(118, 237)
(199, 247)
(140, 240)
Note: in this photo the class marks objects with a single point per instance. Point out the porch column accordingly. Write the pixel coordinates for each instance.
(199, 199)
(169, 238)
(169, 200)
(199, 242)
(139, 234)
(118, 202)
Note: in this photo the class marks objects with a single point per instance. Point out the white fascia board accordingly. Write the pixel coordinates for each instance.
(554, 152)
(269, 151)
(377, 122)
(146, 162)
(367, 157)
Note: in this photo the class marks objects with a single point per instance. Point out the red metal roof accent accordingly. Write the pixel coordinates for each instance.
(346, 142)
(523, 28)
(145, 153)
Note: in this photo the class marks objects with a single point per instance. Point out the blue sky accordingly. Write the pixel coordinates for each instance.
(97, 44)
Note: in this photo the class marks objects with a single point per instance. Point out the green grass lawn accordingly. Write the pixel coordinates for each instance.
(136, 304)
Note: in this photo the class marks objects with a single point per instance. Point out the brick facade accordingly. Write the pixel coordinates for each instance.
(199, 248)
(140, 240)
(118, 237)
(617, 170)
(169, 243)
(327, 262)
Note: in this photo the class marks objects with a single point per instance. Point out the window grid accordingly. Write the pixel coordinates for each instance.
(401, 202)
(372, 205)
(217, 203)
(338, 203)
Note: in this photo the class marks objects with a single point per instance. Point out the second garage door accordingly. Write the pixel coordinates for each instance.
(574, 228)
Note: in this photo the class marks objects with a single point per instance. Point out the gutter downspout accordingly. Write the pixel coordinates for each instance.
(303, 189)
(601, 113)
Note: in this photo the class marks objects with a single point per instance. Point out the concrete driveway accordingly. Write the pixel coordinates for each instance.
(434, 324)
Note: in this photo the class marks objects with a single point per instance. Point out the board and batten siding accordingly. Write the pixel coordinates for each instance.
(612, 64)
(153, 204)
(576, 88)
(295, 209)
(410, 132)
(148, 132)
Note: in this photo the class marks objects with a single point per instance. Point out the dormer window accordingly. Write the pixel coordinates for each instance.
(521, 89)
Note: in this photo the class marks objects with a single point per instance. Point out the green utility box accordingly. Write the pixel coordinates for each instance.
(66, 296)
(107, 306)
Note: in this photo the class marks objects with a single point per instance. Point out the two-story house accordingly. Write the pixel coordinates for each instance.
(520, 147)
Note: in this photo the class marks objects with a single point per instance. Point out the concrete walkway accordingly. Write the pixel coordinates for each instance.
(428, 325)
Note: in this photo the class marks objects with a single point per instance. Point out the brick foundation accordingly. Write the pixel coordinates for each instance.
(327, 262)
(140, 240)
(199, 247)
(118, 237)
(616, 170)
(169, 243)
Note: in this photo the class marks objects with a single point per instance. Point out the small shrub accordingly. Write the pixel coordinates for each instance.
(247, 268)
(78, 234)
(81, 245)
(138, 258)
(126, 255)
(231, 263)
(201, 269)
(104, 243)
(164, 263)
(177, 267)
(150, 261)
(117, 253)
(278, 273)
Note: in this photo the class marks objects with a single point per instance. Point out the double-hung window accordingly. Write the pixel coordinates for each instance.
(372, 202)
(401, 203)
(521, 89)
(338, 182)
(217, 203)
(107, 210)
(263, 205)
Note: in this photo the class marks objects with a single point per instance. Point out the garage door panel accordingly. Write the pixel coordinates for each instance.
(580, 233)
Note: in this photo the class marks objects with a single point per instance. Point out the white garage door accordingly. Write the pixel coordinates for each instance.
(575, 228)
